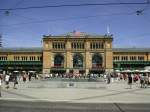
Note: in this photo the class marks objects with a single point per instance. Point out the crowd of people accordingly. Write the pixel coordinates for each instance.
(15, 78)
(143, 79)
(65, 75)
(138, 78)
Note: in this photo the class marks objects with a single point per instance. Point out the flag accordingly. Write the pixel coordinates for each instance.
(76, 33)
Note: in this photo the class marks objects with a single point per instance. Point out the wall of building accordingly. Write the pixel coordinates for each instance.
(101, 45)
(131, 60)
(15, 56)
(91, 46)
(129, 56)
(20, 60)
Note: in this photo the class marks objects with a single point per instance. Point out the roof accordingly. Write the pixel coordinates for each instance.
(40, 50)
(32, 49)
(131, 49)
(79, 34)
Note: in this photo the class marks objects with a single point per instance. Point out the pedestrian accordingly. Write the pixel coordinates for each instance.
(148, 79)
(29, 77)
(7, 80)
(0, 86)
(15, 81)
(130, 80)
(142, 81)
(145, 80)
(108, 78)
(24, 78)
(135, 78)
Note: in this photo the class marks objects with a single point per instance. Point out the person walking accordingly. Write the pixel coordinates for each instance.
(15, 81)
(142, 81)
(24, 77)
(7, 80)
(130, 81)
(108, 78)
(29, 77)
(145, 81)
(148, 79)
(0, 86)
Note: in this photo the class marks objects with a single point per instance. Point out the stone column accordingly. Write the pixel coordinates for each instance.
(88, 61)
(68, 56)
(109, 60)
(86, 71)
(46, 61)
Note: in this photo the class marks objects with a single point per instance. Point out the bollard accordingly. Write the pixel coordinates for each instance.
(71, 84)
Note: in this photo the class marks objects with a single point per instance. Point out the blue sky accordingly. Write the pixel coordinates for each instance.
(25, 28)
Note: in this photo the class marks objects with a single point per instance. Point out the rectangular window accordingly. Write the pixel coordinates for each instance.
(96, 45)
(91, 46)
(133, 58)
(58, 45)
(141, 58)
(124, 58)
(77, 45)
(116, 58)
(16, 58)
(38, 58)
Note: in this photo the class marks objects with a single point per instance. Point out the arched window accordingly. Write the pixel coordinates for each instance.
(78, 60)
(58, 60)
(97, 60)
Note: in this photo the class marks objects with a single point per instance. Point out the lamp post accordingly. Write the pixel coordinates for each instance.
(105, 52)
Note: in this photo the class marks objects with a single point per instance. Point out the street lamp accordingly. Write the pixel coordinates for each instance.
(105, 52)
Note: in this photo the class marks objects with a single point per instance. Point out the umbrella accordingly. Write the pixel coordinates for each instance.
(117, 70)
(136, 70)
(32, 71)
(146, 70)
(127, 71)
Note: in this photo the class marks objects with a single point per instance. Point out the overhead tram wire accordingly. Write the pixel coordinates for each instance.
(73, 5)
(7, 12)
(64, 19)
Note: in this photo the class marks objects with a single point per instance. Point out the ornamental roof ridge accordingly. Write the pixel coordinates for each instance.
(78, 33)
